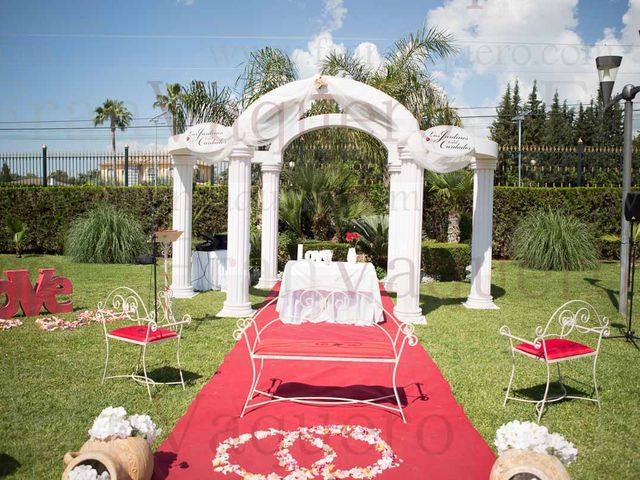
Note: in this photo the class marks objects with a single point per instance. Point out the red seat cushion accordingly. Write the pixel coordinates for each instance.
(139, 333)
(325, 349)
(556, 348)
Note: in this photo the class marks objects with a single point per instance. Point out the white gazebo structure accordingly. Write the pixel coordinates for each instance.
(262, 133)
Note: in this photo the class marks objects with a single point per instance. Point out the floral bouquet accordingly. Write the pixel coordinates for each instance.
(352, 238)
(113, 423)
(536, 438)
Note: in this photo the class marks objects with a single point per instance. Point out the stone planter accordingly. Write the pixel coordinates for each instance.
(125, 459)
(526, 465)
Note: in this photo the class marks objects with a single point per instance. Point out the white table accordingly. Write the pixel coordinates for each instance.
(336, 292)
(209, 270)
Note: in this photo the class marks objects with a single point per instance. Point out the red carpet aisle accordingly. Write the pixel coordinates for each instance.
(438, 442)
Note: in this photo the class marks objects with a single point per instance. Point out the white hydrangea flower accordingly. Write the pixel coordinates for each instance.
(535, 438)
(87, 472)
(143, 425)
(110, 424)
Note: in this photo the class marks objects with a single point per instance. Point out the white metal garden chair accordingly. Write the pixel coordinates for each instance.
(125, 302)
(552, 346)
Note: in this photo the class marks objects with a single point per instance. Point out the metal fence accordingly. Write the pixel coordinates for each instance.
(47, 168)
(572, 166)
(540, 166)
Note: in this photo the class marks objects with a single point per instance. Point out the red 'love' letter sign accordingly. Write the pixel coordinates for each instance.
(19, 293)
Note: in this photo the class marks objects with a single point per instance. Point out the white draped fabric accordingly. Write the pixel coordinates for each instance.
(334, 292)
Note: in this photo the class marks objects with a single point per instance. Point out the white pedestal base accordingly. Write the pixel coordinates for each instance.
(236, 311)
(186, 292)
(266, 283)
(480, 304)
(417, 318)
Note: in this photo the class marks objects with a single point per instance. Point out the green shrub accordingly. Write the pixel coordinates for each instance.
(446, 261)
(339, 249)
(287, 248)
(105, 235)
(374, 237)
(550, 240)
(610, 247)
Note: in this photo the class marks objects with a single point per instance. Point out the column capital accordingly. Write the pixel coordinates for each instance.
(271, 167)
(394, 168)
(405, 154)
(183, 159)
(242, 153)
(483, 163)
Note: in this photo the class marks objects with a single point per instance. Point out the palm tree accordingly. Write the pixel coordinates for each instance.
(265, 70)
(118, 116)
(404, 74)
(169, 103)
(204, 102)
(452, 187)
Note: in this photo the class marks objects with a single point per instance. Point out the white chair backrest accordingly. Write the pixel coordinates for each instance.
(575, 315)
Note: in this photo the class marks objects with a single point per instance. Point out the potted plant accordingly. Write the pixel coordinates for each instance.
(119, 448)
(527, 450)
(352, 238)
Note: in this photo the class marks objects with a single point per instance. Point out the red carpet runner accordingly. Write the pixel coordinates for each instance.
(438, 442)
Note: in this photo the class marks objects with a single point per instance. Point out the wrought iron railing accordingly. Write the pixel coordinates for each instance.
(126, 168)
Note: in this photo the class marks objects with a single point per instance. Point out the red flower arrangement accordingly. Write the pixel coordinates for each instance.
(352, 238)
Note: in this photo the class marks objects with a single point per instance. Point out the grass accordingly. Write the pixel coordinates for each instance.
(51, 381)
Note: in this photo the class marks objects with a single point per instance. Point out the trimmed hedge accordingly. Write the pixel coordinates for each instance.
(597, 206)
(446, 261)
(49, 211)
(339, 249)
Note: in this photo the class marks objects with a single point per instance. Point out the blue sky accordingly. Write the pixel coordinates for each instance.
(61, 59)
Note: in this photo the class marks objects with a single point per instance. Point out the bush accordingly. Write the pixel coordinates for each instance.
(549, 240)
(339, 249)
(105, 235)
(610, 247)
(49, 211)
(287, 248)
(446, 261)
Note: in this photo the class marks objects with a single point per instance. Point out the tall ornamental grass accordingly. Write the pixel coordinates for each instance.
(550, 240)
(105, 235)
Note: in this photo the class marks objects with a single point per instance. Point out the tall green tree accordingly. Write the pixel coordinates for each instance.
(266, 69)
(116, 114)
(534, 124)
(558, 129)
(169, 102)
(5, 175)
(501, 130)
(202, 102)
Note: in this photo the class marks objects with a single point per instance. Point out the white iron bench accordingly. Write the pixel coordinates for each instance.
(388, 350)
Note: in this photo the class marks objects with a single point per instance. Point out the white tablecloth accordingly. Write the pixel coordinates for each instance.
(209, 270)
(337, 292)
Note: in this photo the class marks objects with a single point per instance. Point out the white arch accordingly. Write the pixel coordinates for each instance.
(275, 120)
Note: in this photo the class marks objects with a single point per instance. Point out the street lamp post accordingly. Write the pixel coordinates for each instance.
(607, 71)
(519, 118)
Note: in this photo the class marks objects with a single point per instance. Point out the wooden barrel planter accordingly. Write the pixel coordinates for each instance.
(125, 459)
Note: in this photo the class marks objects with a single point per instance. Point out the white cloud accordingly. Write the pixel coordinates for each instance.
(309, 61)
(368, 54)
(186, 3)
(334, 13)
(529, 39)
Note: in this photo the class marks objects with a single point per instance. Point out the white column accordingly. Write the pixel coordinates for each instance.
(408, 249)
(238, 209)
(182, 203)
(482, 236)
(269, 244)
(395, 229)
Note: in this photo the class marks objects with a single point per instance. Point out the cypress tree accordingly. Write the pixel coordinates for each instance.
(533, 129)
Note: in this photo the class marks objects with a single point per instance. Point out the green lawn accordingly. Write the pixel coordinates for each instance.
(51, 381)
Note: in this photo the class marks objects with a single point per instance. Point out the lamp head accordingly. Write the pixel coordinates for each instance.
(607, 71)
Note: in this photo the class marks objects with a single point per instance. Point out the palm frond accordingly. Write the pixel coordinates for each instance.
(344, 64)
(266, 69)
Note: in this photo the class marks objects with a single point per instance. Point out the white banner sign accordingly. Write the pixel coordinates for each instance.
(448, 140)
(208, 138)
